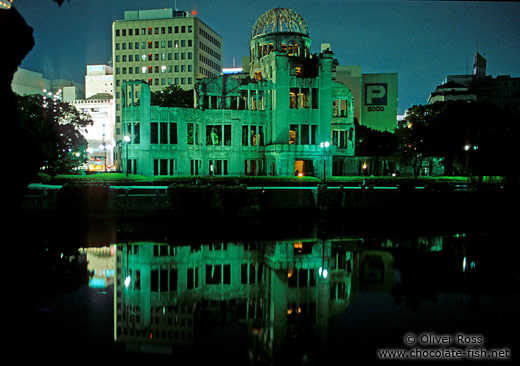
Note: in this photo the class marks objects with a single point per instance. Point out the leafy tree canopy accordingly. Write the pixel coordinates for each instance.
(475, 138)
(173, 96)
(51, 134)
(370, 142)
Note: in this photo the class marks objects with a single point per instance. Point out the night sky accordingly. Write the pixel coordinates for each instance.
(423, 41)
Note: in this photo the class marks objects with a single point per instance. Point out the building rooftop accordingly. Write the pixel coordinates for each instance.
(165, 13)
(279, 20)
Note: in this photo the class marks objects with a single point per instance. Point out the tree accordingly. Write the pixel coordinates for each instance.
(370, 142)
(50, 134)
(414, 142)
(474, 139)
(173, 96)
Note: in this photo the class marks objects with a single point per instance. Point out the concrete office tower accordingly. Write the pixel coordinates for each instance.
(162, 47)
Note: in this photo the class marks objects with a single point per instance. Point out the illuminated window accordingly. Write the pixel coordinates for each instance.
(293, 134)
(293, 103)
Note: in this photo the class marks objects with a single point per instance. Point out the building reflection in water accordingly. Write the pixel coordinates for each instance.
(283, 293)
(100, 265)
(293, 300)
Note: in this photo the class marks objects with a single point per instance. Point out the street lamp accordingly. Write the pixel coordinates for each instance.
(127, 141)
(324, 145)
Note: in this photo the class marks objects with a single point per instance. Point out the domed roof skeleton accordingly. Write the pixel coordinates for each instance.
(280, 20)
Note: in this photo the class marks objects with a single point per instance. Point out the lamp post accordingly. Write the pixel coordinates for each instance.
(324, 145)
(127, 141)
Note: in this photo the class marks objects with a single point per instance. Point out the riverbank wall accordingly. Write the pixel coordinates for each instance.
(370, 207)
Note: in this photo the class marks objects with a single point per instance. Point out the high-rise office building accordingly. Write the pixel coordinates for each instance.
(162, 47)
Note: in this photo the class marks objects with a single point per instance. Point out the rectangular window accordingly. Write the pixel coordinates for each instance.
(245, 135)
(214, 135)
(260, 135)
(253, 139)
(227, 274)
(164, 133)
(293, 134)
(314, 134)
(173, 133)
(163, 280)
(227, 135)
(137, 133)
(304, 134)
(194, 167)
(190, 133)
(173, 279)
(314, 98)
(163, 167)
(252, 167)
(213, 274)
(243, 274)
(193, 278)
(154, 133)
(154, 280)
(218, 167)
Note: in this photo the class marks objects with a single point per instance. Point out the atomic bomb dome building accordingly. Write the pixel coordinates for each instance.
(286, 116)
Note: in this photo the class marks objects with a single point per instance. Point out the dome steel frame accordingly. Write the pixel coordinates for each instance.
(279, 20)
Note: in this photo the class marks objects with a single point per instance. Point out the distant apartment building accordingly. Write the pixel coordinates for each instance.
(26, 82)
(99, 80)
(502, 91)
(162, 47)
(100, 106)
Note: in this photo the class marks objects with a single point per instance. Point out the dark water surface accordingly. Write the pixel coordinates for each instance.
(309, 297)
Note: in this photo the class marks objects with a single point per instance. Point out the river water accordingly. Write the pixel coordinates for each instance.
(307, 298)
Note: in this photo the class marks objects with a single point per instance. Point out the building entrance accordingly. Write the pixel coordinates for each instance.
(303, 167)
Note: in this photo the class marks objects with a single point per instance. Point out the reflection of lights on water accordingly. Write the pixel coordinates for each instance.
(472, 264)
(128, 279)
(323, 272)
